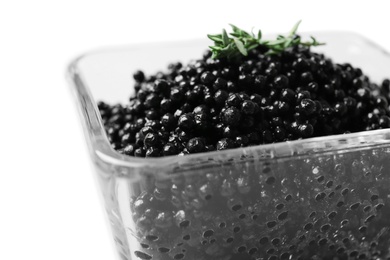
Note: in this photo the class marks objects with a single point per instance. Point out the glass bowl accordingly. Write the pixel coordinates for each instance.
(317, 198)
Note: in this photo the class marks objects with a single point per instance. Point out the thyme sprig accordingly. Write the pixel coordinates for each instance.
(241, 42)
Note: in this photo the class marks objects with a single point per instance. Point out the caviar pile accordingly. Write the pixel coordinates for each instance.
(216, 104)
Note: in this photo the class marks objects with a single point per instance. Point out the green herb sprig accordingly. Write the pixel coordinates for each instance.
(241, 42)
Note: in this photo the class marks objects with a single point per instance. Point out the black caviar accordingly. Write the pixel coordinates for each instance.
(217, 104)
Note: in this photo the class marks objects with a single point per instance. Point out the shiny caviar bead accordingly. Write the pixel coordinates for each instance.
(196, 145)
(231, 116)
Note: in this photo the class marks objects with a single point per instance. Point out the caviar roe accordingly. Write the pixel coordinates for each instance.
(216, 104)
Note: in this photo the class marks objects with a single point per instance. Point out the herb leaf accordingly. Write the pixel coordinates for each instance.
(259, 35)
(225, 38)
(214, 38)
(240, 47)
(294, 29)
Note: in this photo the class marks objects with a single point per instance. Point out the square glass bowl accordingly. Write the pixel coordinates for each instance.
(317, 198)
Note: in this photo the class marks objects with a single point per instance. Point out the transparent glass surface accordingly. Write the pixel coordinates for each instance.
(317, 198)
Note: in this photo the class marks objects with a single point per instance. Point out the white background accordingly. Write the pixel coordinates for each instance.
(49, 202)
